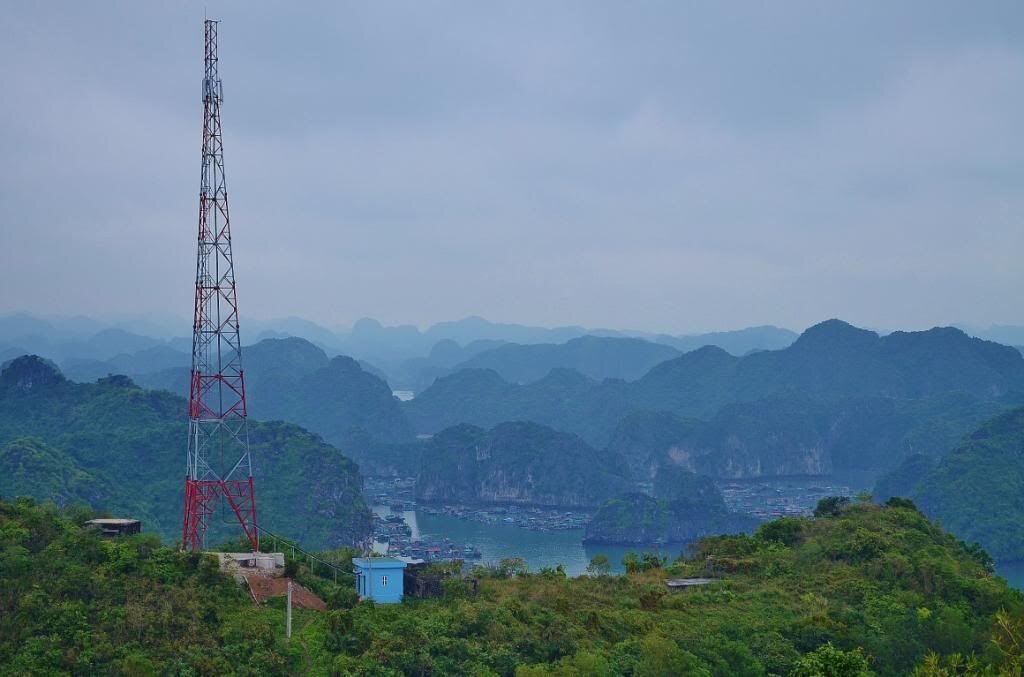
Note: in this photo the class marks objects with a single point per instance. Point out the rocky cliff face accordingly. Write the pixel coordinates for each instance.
(795, 435)
(524, 463)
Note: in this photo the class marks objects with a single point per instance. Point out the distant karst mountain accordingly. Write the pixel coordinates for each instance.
(293, 380)
(838, 398)
(526, 355)
(792, 434)
(684, 507)
(523, 463)
(597, 357)
(640, 520)
(736, 342)
(832, 360)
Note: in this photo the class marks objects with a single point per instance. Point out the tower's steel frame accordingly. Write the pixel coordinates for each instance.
(219, 462)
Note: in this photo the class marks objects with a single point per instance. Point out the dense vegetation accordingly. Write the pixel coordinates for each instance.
(977, 490)
(517, 463)
(73, 603)
(860, 590)
(113, 445)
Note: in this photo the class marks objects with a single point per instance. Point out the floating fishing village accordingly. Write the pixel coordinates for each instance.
(395, 503)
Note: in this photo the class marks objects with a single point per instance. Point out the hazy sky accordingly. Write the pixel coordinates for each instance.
(674, 166)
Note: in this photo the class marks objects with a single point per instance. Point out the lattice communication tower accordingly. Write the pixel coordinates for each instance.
(219, 463)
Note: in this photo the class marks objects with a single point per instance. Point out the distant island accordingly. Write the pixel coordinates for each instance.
(684, 508)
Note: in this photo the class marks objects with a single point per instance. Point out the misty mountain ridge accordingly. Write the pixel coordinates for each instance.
(838, 398)
(391, 343)
(367, 339)
(293, 380)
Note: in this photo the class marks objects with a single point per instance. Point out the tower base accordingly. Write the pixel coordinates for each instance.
(201, 500)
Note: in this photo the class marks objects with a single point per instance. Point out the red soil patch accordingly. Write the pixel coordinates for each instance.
(263, 588)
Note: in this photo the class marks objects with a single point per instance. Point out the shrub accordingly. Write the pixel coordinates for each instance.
(832, 506)
(786, 530)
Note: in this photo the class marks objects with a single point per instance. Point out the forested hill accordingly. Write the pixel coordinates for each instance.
(116, 446)
(292, 380)
(860, 590)
(977, 489)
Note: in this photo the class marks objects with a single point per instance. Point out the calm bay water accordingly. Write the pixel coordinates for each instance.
(550, 548)
(1013, 572)
(537, 548)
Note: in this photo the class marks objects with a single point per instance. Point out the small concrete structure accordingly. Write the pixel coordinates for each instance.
(269, 563)
(380, 578)
(688, 583)
(111, 527)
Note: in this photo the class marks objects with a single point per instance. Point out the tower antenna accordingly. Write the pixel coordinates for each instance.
(219, 463)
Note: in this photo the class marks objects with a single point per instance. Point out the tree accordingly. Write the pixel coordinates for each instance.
(899, 502)
(831, 506)
(785, 530)
(511, 566)
(661, 657)
(599, 565)
(651, 560)
(828, 661)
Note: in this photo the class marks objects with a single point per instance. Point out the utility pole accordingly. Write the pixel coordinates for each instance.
(288, 616)
(218, 462)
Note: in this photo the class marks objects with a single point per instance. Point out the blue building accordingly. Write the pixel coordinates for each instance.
(379, 578)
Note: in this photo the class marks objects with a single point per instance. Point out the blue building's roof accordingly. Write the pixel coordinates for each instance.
(378, 562)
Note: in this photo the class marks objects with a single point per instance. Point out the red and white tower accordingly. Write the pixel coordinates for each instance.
(219, 464)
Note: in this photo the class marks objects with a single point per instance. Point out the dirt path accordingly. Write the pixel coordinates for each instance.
(263, 588)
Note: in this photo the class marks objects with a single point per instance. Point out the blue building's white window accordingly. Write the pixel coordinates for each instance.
(384, 580)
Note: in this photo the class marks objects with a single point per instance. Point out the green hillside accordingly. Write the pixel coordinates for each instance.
(865, 590)
(73, 603)
(113, 445)
(977, 490)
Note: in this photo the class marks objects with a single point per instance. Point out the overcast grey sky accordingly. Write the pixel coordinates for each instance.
(676, 166)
